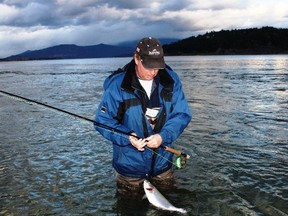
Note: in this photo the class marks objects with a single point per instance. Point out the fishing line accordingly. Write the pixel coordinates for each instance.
(180, 161)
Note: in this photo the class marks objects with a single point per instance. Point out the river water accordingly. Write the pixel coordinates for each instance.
(54, 164)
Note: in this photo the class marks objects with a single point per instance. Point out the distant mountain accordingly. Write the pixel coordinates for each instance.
(133, 44)
(266, 40)
(71, 51)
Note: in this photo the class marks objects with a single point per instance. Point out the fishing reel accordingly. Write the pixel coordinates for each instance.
(181, 158)
(181, 161)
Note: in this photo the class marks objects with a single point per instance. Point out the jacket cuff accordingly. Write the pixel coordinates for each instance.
(166, 138)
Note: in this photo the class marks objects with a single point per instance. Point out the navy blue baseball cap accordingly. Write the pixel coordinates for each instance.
(151, 53)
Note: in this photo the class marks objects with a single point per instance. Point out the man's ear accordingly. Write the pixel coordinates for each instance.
(136, 59)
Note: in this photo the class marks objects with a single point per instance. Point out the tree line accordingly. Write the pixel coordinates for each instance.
(265, 40)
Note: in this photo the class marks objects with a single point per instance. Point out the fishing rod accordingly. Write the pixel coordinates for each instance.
(180, 163)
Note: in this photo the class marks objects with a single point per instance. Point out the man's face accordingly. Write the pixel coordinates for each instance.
(144, 73)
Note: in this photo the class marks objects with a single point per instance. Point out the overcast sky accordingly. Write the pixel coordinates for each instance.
(37, 24)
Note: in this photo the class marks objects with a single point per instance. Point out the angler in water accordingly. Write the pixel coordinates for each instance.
(144, 99)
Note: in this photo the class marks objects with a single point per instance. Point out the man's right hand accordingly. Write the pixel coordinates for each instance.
(137, 143)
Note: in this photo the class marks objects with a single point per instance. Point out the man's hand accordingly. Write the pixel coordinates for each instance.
(154, 141)
(137, 143)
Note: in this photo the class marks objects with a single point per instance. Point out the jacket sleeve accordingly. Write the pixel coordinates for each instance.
(180, 116)
(106, 115)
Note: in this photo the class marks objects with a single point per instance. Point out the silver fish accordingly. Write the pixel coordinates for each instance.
(158, 200)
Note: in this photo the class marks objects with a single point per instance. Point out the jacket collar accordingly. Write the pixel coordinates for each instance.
(130, 81)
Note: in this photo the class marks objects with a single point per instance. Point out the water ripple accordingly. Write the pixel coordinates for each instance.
(54, 164)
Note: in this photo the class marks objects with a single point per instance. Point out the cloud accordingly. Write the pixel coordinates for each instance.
(36, 24)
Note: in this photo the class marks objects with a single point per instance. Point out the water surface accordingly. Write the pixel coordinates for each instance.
(54, 164)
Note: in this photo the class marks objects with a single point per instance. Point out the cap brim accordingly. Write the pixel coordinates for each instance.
(157, 63)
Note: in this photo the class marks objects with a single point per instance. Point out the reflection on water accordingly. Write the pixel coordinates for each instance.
(51, 163)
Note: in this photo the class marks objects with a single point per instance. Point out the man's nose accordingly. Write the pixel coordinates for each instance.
(154, 71)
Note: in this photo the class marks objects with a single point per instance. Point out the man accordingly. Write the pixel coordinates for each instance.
(144, 99)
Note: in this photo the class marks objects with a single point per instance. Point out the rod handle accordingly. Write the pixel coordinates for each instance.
(176, 152)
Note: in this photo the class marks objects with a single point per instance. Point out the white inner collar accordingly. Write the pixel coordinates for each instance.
(147, 85)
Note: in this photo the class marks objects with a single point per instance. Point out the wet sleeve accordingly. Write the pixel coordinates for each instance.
(106, 122)
(179, 118)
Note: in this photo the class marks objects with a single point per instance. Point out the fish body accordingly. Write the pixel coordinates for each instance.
(158, 200)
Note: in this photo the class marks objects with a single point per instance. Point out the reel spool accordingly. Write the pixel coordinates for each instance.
(181, 162)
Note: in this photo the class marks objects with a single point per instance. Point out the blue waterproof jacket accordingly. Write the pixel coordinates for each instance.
(123, 107)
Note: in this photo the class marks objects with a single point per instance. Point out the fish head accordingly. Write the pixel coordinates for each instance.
(148, 187)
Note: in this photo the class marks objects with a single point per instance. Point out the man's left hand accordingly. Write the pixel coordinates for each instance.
(154, 141)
